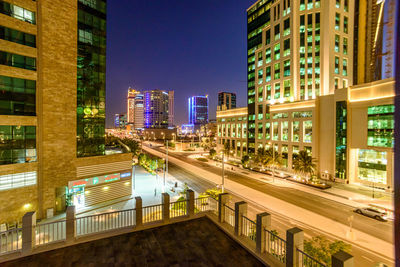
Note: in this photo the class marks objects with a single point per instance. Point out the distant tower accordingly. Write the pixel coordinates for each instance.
(157, 107)
(226, 101)
(135, 108)
(198, 110)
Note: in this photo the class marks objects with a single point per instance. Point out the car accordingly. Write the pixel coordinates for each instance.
(373, 213)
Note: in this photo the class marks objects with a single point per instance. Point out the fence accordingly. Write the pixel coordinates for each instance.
(249, 228)
(213, 205)
(306, 260)
(229, 215)
(201, 204)
(152, 213)
(275, 245)
(50, 232)
(105, 221)
(10, 241)
(177, 208)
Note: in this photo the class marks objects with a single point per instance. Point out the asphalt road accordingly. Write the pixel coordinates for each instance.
(281, 224)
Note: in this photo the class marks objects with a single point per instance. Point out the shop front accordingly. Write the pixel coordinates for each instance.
(93, 190)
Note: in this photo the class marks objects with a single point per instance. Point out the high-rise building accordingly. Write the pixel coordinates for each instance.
(120, 120)
(52, 73)
(198, 110)
(157, 104)
(135, 108)
(296, 50)
(226, 101)
(171, 110)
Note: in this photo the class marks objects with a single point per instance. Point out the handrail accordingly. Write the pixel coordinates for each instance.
(308, 261)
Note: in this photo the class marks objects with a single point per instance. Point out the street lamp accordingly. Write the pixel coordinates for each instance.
(223, 171)
(273, 162)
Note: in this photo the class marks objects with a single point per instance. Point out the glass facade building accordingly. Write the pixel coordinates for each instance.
(381, 126)
(91, 78)
(341, 140)
(198, 110)
(17, 144)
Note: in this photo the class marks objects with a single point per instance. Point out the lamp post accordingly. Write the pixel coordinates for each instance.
(166, 164)
(223, 171)
(273, 161)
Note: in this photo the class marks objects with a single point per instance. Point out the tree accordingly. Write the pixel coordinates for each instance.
(261, 157)
(213, 153)
(304, 164)
(321, 249)
(142, 158)
(245, 160)
(268, 157)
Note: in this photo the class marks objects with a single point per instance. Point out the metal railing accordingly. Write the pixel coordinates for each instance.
(249, 228)
(10, 241)
(213, 205)
(306, 260)
(202, 204)
(177, 208)
(152, 213)
(50, 232)
(229, 215)
(105, 222)
(275, 245)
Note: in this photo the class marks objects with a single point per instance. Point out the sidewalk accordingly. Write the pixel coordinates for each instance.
(292, 212)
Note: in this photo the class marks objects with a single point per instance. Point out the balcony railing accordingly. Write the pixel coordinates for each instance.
(229, 215)
(178, 208)
(152, 213)
(249, 228)
(306, 260)
(275, 246)
(10, 241)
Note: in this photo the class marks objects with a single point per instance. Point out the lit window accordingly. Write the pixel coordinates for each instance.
(337, 21)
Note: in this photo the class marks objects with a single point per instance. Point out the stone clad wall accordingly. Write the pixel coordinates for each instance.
(57, 89)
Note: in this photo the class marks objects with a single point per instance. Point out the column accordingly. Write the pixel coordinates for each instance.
(223, 198)
(190, 202)
(165, 207)
(240, 211)
(139, 211)
(70, 224)
(294, 241)
(342, 259)
(263, 222)
(28, 232)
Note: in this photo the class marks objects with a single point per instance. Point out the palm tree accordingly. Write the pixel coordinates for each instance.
(273, 158)
(304, 164)
(261, 157)
(245, 160)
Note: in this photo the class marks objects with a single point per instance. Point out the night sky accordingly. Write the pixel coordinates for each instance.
(192, 47)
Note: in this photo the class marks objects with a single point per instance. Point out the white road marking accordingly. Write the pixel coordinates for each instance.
(368, 259)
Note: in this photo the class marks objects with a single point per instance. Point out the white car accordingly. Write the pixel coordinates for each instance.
(373, 213)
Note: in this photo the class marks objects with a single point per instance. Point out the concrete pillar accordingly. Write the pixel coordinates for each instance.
(190, 202)
(70, 224)
(139, 211)
(263, 222)
(342, 259)
(294, 241)
(28, 232)
(165, 207)
(223, 198)
(240, 211)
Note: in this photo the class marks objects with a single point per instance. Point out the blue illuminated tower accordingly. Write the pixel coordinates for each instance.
(198, 110)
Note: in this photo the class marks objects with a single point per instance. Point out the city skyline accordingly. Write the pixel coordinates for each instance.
(175, 66)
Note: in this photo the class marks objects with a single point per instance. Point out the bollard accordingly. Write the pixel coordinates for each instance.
(294, 241)
(190, 203)
(139, 211)
(70, 224)
(165, 207)
(263, 222)
(240, 211)
(28, 232)
(342, 259)
(223, 198)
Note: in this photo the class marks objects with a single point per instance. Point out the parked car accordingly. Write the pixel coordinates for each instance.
(373, 213)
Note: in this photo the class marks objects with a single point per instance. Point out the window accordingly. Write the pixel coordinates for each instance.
(286, 88)
(296, 131)
(17, 12)
(307, 128)
(279, 115)
(267, 130)
(277, 71)
(337, 43)
(268, 74)
(286, 68)
(16, 180)
(286, 47)
(268, 37)
(337, 3)
(268, 55)
(381, 126)
(337, 65)
(17, 96)
(341, 140)
(277, 51)
(275, 131)
(260, 98)
(85, 36)
(344, 67)
(17, 36)
(284, 130)
(286, 27)
(345, 45)
(310, 4)
(337, 21)
(302, 5)
(18, 61)
(277, 32)
(345, 25)
(346, 5)
(268, 92)
(336, 83)
(18, 144)
(277, 91)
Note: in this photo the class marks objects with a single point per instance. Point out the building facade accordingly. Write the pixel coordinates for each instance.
(232, 129)
(157, 104)
(47, 101)
(198, 110)
(135, 109)
(226, 101)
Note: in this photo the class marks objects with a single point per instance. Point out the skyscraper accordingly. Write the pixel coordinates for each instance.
(198, 110)
(135, 108)
(226, 101)
(157, 104)
(52, 113)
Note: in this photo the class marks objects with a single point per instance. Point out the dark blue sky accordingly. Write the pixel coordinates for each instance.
(192, 47)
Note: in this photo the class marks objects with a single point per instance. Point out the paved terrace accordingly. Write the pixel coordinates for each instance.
(197, 242)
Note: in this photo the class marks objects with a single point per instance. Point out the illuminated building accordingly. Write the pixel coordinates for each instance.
(226, 101)
(52, 113)
(300, 86)
(157, 104)
(135, 108)
(120, 121)
(198, 110)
